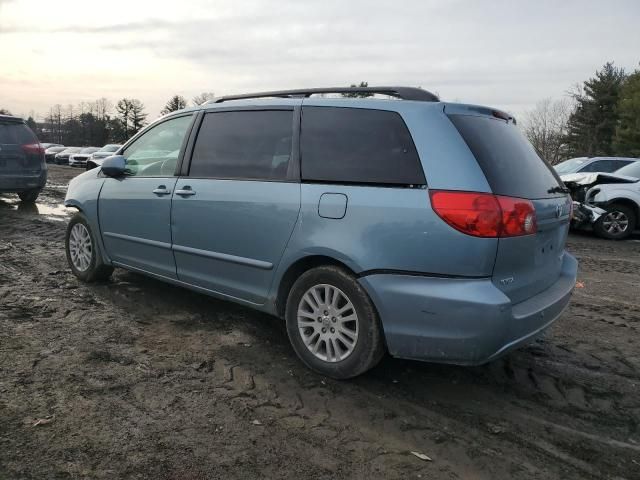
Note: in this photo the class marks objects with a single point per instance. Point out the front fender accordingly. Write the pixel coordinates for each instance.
(604, 194)
(83, 194)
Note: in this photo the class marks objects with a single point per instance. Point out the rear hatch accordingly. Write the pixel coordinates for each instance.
(525, 265)
(20, 151)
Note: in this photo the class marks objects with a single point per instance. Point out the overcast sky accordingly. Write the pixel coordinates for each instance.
(507, 54)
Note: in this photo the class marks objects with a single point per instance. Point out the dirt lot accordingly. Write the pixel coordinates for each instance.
(138, 379)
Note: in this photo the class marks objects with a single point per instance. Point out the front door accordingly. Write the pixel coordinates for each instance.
(135, 210)
(233, 214)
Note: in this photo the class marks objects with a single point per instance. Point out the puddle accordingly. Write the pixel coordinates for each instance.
(51, 211)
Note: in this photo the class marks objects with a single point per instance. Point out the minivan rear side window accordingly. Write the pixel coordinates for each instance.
(244, 144)
(352, 145)
(509, 162)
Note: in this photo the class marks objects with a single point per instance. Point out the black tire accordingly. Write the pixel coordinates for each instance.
(604, 229)
(29, 196)
(369, 345)
(97, 270)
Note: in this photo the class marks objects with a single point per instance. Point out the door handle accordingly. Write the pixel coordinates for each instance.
(185, 192)
(162, 190)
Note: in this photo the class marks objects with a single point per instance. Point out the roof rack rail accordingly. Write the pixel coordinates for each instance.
(403, 93)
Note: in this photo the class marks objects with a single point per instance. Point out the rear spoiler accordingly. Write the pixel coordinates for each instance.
(464, 109)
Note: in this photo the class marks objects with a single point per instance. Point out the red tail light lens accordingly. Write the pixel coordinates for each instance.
(33, 148)
(485, 214)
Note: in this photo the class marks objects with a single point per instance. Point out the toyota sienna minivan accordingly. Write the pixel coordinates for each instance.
(402, 224)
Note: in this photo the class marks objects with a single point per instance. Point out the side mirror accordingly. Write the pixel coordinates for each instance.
(114, 166)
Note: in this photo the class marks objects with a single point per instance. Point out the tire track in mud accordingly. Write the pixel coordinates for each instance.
(134, 365)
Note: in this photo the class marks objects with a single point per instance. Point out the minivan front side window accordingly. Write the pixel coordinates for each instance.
(155, 153)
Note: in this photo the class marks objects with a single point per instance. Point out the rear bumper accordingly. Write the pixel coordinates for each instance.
(21, 183)
(462, 321)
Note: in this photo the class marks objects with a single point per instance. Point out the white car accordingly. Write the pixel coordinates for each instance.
(608, 201)
(97, 158)
(80, 159)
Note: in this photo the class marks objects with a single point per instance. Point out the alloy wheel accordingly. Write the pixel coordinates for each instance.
(328, 323)
(80, 247)
(615, 222)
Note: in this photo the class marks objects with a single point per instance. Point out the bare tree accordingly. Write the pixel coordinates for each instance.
(4, 111)
(546, 128)
(202, 98)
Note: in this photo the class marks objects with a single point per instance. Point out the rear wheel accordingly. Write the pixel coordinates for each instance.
(617, 223)
(30, 196)
(332, 323)
(83, 253)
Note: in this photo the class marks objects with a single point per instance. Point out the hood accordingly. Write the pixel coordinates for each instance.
(595, 177)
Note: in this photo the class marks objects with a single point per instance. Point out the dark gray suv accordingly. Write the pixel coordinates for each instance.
(23, 169)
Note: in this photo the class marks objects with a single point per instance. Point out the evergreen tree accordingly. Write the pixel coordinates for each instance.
(131, 116)
(627, 138)
(592, 125)
(177, 102)
(138, 117)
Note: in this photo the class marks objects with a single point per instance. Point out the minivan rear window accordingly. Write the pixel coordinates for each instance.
(14, 133)
(509, 162)
(352, 145)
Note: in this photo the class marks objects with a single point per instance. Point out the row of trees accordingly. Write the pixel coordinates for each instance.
(100, 122)
(600, 117)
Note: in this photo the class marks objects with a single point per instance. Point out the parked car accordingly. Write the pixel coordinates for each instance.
(50, 153)
(80, 158)
(609, 202)
(430, 229)
(96, 158)
(23, 169)
(62, 158)
(49, 145)
(593, 164)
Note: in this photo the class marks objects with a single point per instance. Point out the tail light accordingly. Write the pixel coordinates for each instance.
(33, 149)
(485, 214)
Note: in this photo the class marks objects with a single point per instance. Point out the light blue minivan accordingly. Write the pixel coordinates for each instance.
(401, 224)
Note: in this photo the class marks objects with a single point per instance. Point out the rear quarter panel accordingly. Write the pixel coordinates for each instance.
(395, 228)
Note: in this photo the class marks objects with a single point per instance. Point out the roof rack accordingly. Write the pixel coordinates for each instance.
(403, 93)
(10, 118)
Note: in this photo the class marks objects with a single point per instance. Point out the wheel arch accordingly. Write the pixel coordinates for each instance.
(627, 202)
(297, 268)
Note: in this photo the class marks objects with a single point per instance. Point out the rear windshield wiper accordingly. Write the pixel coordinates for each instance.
(559, 189)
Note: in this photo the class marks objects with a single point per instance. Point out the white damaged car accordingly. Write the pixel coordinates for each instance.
(610, 202)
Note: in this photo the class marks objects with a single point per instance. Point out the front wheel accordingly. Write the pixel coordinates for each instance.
(617, 223)
(83, 253)
(332, 323)
(29, 196)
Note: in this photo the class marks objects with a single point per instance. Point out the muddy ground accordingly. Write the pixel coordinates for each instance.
(137, 379)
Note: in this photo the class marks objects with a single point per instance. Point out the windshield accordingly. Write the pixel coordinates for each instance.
(631, 170)
(89, 150)
(110, 148)
(570, 165)
(72, 150)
